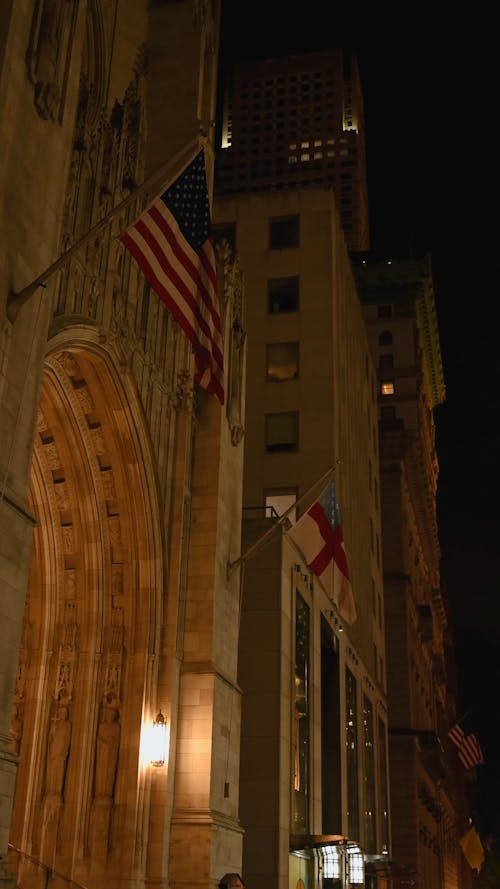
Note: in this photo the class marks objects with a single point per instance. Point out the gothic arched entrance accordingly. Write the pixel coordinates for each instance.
(91, 635)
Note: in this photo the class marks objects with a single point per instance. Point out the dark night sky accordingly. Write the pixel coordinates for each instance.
(433, 186)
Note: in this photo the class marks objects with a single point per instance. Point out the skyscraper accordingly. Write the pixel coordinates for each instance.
(298, 122)
(400, 314)
(313, 788)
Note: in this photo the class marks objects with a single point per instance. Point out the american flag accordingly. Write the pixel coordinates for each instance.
(172, 245)
(468, 747)
(318, 534)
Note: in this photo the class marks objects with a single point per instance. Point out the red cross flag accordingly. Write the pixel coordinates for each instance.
(318, 535)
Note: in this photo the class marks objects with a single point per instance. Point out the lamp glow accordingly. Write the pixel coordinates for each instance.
(157, 742)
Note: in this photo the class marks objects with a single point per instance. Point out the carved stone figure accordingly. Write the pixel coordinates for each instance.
(16, 727)
(58, 750)
(108, 742)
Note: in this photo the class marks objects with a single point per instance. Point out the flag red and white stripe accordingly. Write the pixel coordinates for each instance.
(468, 747)
(172, 245)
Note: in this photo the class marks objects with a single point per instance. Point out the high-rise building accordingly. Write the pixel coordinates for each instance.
(298, 122)
(313, 789)
(429, 811)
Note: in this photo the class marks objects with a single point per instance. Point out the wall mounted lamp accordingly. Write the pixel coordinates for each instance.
(158, 741)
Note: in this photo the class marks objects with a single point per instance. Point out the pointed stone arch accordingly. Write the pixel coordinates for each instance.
(93, 616)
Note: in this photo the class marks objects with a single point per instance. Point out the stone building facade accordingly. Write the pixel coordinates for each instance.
(120, 493)
(311, 405)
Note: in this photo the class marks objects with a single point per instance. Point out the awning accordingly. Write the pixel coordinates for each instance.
(318, 840)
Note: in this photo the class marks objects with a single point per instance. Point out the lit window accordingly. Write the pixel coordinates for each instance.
(356, 870)
(332, 863)
(387, 388)
(282, 432)
(282, 362)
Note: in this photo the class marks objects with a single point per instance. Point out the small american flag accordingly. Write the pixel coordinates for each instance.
(172, 245)
(469, 750)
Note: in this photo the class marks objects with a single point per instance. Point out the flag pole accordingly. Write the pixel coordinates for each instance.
(16, 300)
(267, 534)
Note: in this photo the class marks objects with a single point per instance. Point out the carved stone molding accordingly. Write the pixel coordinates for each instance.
(184, 392)
(49, 53)
(233, 310)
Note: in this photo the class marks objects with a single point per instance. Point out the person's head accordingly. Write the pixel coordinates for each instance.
(231, 881)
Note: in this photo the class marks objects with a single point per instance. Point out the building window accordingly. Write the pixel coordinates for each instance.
(387, 387)
(356, 868)
(332, 866)
(331, 802)
(369, 776)
(382, 778)
(282, 432)
(388, 413)
(282, 362)
(385, 338)
(278, 500)
(284, 232)
(300, 753)
(386, 361)
(351, 740)
(283, 294)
